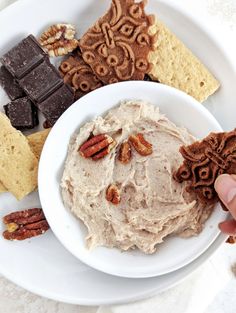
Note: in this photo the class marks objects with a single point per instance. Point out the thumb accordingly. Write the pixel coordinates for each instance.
(225, 186)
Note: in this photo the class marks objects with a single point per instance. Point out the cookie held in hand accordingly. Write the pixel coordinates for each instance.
(204, 161)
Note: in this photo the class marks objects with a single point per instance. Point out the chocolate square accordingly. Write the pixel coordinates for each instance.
(10, 85)
(53, 107)
(41, 82)
(23, 57)
(22, 113)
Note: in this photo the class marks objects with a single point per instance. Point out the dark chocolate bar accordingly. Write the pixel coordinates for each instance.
(23, 57)
(41, 82)
(22, 113)
(53, 107)
(10, 85)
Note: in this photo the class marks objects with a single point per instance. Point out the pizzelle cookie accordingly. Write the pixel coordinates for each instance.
(79, 75)
(117, 46)
(175, 65)
(18, 164)
(204, 161)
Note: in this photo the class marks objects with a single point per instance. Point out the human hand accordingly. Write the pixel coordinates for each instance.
(225, 186)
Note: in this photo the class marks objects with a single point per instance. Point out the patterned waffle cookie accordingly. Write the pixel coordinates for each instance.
(204, 161)
(117, 46)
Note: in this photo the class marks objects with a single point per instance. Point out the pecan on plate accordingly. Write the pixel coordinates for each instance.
(59, 40)
(46, 124)
(97, 147)
(113, 194)
(125, 153)
(142, 146)
(231, 239)
(25, 224)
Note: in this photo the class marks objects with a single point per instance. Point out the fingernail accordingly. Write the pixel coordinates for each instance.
(225, 186)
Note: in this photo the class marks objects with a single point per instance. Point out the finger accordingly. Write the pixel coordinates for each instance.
(225, 186)
(228, 227)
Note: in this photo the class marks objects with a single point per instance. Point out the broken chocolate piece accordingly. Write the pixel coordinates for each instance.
(22, 113)
(23, 57)
(53, 107)
(41, 82)
(204, 161)
(10, 85)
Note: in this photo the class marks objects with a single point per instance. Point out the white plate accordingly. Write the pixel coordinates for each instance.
(42, 265)
(175, 252)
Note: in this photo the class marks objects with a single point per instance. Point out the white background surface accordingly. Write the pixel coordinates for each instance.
(15, 299)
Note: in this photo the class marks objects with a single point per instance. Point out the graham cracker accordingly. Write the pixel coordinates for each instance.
(175, 65)
(18, 164)
(2, 188)
(37, 140)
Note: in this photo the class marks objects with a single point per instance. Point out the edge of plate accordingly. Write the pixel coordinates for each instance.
(214, 36)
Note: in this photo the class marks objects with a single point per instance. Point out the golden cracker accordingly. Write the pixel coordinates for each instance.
(37, 140)
(175, 65)
(18, 164)
(2, 188)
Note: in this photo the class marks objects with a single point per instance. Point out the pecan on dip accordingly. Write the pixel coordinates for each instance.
(118, 180)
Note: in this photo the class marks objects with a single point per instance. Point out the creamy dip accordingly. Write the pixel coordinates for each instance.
(152, 204)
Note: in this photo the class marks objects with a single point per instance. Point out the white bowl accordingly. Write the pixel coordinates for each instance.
(175, 252)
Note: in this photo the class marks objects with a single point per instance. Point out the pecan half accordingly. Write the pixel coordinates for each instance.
(125, 153)
(113, 194)
(231, 239)
(59, 40)
(46, 124)
(25, 224)
(142, 146)
(97, 147)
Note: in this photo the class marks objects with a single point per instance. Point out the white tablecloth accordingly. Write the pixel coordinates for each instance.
(211, 289)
